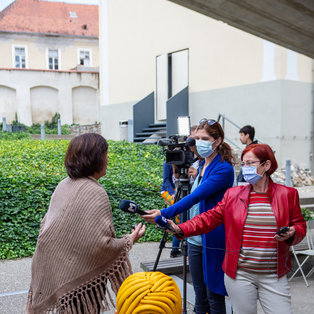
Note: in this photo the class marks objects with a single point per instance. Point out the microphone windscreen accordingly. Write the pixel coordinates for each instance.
(161, 221)
(131, 207)
(128, 206)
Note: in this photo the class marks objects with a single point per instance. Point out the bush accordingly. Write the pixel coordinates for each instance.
(13, 136)
(30, 171)
(307, 214)
(36, 129)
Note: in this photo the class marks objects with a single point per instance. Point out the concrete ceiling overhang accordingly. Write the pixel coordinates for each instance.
(289, 23)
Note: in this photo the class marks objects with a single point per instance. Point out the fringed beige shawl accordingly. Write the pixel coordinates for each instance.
(77, 251)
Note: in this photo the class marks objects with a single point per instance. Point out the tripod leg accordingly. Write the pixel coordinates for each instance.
(161, 246)
(163, 241)
(184, 250)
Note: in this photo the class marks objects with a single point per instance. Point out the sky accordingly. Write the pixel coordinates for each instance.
(5, 3)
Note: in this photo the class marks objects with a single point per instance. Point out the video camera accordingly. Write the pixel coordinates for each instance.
(178, 152)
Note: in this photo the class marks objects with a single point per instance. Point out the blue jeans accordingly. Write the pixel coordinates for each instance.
(205, 300)
(175, 244)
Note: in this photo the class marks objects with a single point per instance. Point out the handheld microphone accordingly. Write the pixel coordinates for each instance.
(163, 223)
(131, 207)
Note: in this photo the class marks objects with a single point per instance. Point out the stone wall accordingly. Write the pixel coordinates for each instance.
(82, 129)
(36, 95)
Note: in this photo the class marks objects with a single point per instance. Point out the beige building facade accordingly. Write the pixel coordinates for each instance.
(49, 62)
(230, 72)
(37, 49)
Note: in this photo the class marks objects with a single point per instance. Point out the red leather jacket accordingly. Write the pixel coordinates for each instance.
(232, 211)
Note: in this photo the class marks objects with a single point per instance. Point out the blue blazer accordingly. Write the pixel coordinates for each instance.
(167, 183)
(217, 178)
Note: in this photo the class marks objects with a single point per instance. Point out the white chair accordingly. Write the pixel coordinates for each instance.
(308, 252)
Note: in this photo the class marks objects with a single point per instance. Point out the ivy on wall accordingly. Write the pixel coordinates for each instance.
(30, 171)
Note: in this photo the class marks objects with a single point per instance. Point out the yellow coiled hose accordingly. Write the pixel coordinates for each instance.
(150, 293)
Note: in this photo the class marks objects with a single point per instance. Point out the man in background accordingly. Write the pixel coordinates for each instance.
(247, 134)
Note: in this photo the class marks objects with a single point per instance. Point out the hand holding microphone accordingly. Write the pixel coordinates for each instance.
(151, 215)
(168, 225)
(131, 207)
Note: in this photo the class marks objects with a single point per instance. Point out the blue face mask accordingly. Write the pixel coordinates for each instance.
(204, 148)
(250, 174)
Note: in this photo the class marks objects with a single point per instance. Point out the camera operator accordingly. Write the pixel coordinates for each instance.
(192, 172)
(206, 252)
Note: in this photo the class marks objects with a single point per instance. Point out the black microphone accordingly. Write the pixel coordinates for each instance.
(131, 207)
(190, 141)
(163, 223)
(164, 142)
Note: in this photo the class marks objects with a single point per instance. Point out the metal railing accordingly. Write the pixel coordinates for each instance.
(224, 119)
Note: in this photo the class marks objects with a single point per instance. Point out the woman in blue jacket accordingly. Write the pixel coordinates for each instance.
(206, 252)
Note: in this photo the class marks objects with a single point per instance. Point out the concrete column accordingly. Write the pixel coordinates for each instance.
(268, 61)
(288, 173)
(24, 107)
(59, 126)
(292, 66)
(4, 124)
(103, 53)
(42, 132)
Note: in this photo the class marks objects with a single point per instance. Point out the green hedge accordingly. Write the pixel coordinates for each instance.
(14, 136)
(30, 171)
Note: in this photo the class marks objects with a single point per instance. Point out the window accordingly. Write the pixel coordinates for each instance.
(20, 57)
(53, 59)
(85, 58)
(73, 14)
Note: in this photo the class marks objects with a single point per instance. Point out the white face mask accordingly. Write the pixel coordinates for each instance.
(204, 148)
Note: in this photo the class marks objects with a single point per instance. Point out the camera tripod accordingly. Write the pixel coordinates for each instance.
(182, 190)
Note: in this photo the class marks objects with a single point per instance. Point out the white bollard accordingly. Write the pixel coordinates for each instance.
(42, 132)
(59, 126)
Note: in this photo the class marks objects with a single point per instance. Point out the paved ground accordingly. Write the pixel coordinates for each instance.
(15, 278)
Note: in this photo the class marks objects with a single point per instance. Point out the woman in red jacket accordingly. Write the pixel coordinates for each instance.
(257, 258)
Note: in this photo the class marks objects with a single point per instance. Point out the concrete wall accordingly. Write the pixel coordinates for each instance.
(44, 103)
(37, 95)
(7, 102)
(37, 46)
(110, 116)
(219, 55)
(280, 111)
(231, 72)
(85, 105)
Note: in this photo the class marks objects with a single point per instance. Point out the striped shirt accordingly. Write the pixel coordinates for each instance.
(259, 248)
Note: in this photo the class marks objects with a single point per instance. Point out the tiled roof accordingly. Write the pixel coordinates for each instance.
(35, 16)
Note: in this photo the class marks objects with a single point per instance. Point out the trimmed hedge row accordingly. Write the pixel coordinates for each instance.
(30, 171)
